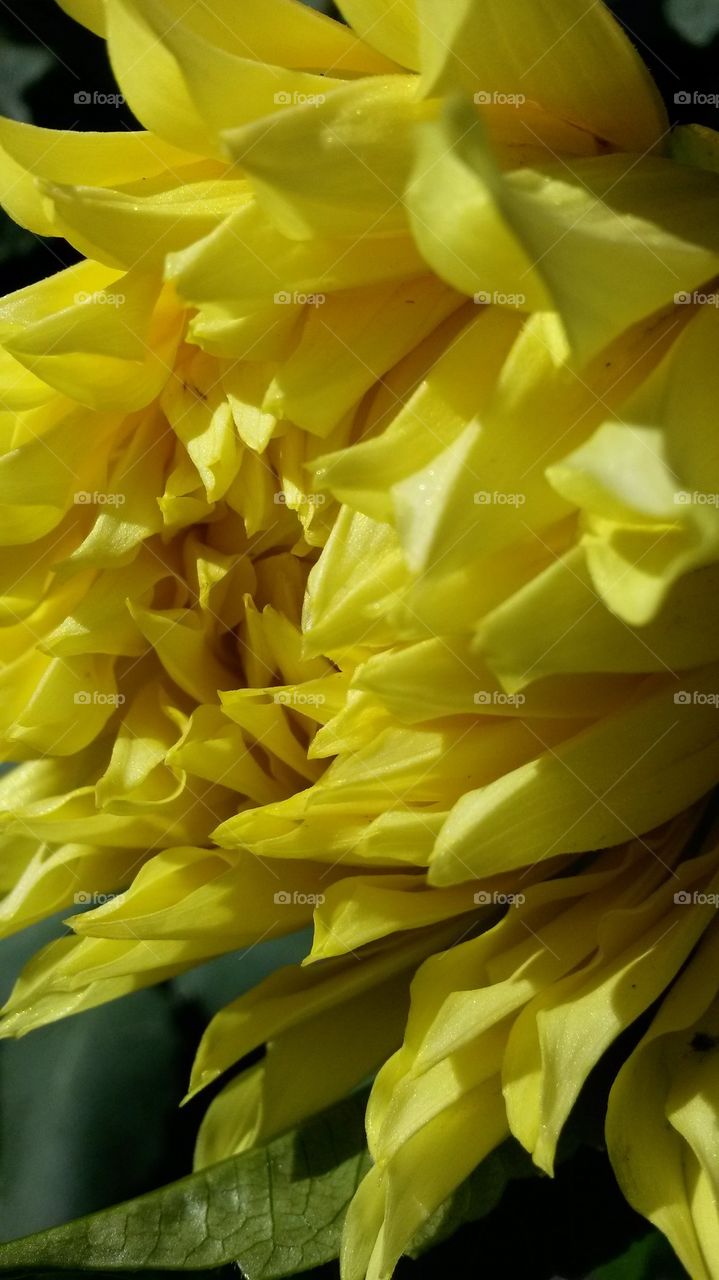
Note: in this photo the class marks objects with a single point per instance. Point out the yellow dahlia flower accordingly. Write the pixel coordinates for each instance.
(360, 555)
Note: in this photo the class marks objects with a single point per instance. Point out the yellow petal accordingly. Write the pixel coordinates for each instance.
(306, 1068)
(109, 348)
(455, 387)
(624, 775)
(655, 1165)
(248, 263)
(359, 143)
(179, 891)
(351, 340)
(642, 949)
(359, 910)
(90, 12)
(57, 877)
(182, 642)
(539, 235)
(135, 777)
(213, 747)
(74, 974)
(394, 31)
(577, 62)
(696, 144)
(185, 72)
(122, 228)
(558, 623)
(28, 152)
(290, 996)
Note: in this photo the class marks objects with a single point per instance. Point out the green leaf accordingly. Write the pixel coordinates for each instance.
(650, 1258)
(226, 1273)
(476, 1197)
(696, 20)
(85, 1119)
(277, 1211)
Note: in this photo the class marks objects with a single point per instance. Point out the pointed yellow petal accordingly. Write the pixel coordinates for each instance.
(359, 910)
(348, 342)
(562, 1034)
(558, 623)
(575, 61)
(57, 878)
(290, 996)
(28, 152)
(120, 227)
(359, 144)
(623, 775)
(248, 263)
(306, 1068)
(109, 348)
(394, 30)
(537, 237)
(646, 1123)
(90, 12)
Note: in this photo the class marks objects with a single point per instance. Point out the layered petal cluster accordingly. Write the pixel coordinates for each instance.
(505, 1029)
(360, 567)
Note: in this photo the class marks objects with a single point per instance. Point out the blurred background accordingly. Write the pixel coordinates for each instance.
(89, 1109)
